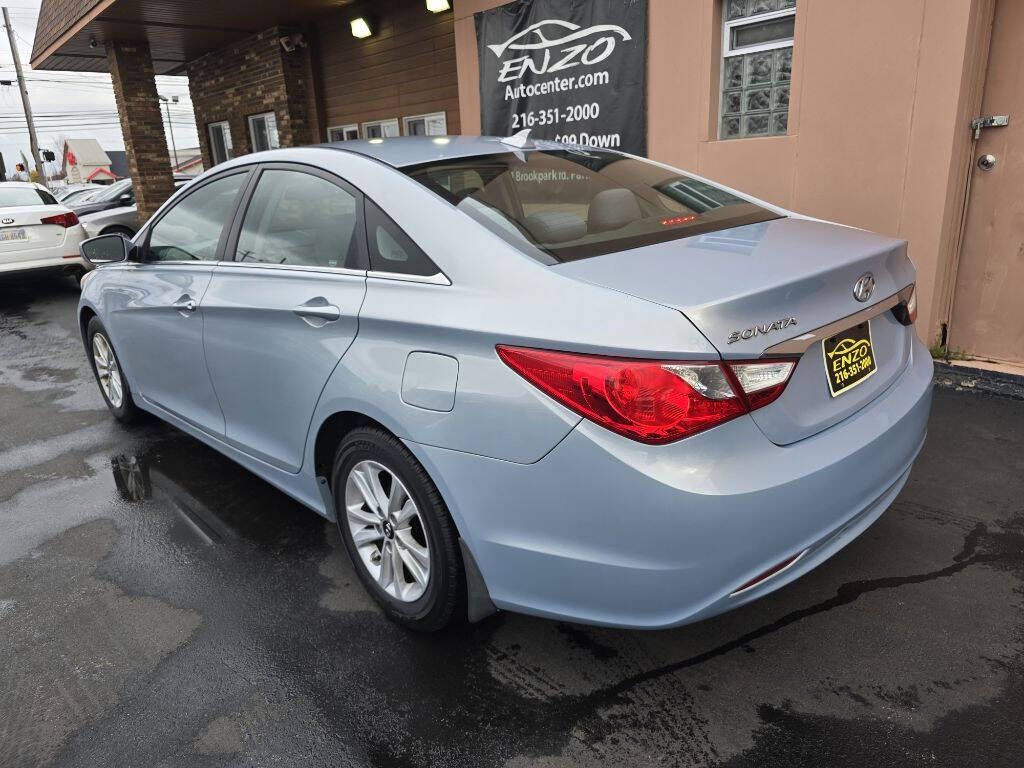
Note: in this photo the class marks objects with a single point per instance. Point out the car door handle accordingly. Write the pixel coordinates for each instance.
(185, 304)
(318, 308)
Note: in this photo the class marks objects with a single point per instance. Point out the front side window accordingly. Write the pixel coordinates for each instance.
(757, 64)
(426, 125)
(191, 230)
(343, 133)
(220, 142)
(380, 129)
(263, 131)
(562, 205)
(299, 219)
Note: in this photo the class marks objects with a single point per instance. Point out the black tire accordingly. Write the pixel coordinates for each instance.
(444, 598)
(124, 232)
(126, 412)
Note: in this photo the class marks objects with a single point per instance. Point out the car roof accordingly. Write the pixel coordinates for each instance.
(403, 151)
(26, 184)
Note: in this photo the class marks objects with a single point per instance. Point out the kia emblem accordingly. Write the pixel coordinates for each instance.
(864, 287)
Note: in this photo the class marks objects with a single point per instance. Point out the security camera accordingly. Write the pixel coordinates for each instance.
(292, 41)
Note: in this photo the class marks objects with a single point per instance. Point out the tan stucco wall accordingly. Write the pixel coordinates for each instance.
(877, 132)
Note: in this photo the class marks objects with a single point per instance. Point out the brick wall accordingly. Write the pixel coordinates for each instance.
(138, 106)
(252, 76)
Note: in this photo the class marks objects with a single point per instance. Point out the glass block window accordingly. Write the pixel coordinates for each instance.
(757, 64)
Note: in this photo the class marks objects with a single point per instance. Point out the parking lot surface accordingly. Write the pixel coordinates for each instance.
(160, 606)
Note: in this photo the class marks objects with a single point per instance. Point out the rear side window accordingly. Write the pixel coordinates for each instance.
(565, 204)
(301, 219)
(12, 197)
(191, 230)
(391, 250)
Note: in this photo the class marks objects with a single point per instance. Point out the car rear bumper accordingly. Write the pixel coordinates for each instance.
(608, 531)
(52, 263)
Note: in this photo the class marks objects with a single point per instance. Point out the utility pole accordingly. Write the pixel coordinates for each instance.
(33, 142)
(170, 126)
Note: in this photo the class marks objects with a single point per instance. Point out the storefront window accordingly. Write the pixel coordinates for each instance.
(263, 130)
(378, 129)
(426, 125)
(757, 64)
(220, 142)
(343, 132)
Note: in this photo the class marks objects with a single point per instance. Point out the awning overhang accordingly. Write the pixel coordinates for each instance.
(178, 31)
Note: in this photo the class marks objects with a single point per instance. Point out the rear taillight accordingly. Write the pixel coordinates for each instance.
(906, 310)
(65, 220)
(653, 402)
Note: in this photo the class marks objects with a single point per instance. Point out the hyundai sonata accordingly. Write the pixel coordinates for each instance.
(525, 375)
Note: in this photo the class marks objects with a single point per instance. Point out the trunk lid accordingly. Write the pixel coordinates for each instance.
(770, 282)
(23, 225)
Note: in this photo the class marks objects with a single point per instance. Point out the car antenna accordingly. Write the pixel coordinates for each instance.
(521, 139)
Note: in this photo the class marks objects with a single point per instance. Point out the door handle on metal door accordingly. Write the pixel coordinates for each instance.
(185, 304)
(318, 308)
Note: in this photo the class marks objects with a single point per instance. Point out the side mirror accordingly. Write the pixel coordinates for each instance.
(105, 249)
(126, 199)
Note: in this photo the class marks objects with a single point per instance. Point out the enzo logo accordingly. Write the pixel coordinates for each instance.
(533, 38)
(754, 330)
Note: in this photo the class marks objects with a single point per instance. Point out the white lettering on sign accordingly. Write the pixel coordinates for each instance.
(587, 51)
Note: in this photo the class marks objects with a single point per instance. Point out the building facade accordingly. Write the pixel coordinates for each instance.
(855, 112)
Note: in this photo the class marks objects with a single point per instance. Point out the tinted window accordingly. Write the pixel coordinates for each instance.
(561, 205)
(297, 218)
(391, 250)
(11, 197)
(192, 228)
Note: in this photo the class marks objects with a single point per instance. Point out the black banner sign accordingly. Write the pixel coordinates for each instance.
(569, 70)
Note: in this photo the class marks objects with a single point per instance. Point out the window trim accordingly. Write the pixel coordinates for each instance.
(727, 26)
(424, 117)
(368, 123)
(231, 246)
(342, 128)
(226, 125)
(174, 203)
(252, 134)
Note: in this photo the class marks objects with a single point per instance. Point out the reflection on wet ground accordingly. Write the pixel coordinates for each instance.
(162, 606)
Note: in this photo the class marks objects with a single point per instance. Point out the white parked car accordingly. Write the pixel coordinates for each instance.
(37, 232)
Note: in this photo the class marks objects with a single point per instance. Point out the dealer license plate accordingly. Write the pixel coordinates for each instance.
(849, 358)
(12, 234)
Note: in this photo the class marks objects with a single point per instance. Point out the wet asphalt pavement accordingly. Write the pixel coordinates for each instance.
(160, 606)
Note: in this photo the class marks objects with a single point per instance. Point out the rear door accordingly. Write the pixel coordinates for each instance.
(154, 308)
(283, 308)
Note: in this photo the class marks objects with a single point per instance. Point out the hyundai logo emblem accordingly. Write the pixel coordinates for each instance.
(864, 287)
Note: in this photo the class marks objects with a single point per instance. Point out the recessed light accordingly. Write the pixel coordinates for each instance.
(375, 141)
(441, 140)
(437, 6)
(360, 27)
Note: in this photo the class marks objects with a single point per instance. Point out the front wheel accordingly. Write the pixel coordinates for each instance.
(107, 369)
(397, 531)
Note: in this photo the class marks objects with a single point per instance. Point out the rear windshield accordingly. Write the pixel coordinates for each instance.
(562, 205)
(11, 197)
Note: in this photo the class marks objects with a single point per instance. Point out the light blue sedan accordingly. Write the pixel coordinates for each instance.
(525, 375)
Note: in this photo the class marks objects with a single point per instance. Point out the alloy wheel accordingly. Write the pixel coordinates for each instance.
(107, 372)
(387, 530)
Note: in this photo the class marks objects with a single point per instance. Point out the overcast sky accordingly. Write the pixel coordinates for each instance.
(74, 105)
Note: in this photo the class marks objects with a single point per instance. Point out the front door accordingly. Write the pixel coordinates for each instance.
(281, 315)
(157, 317)
(988, 313)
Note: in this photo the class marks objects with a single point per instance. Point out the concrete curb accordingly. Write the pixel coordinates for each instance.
(964, 379)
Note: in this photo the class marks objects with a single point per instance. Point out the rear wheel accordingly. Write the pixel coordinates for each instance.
(124, 232)
(397, 531)
(107, 369)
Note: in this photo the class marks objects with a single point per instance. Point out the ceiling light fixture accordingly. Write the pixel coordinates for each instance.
(437, 6)
(361, 27)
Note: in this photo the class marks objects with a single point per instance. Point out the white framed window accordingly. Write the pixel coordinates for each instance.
(757, 64)
(263, 131)
(434, 124)
(343, 132)
(378, 129)
(220, 141)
